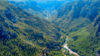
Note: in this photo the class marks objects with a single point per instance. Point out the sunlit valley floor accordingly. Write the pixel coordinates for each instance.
(50, 28)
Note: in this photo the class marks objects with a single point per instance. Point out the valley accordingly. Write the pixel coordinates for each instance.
(49, 27)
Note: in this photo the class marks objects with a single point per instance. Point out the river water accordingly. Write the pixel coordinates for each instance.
(65, 46)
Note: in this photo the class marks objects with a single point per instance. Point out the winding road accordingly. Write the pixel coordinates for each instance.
(70, 51)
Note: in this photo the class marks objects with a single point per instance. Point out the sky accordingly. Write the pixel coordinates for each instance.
(37, 0)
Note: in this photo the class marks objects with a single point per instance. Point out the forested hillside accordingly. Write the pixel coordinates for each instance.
(77, 14)
(49, 27)
(80, 20)
(23, 34)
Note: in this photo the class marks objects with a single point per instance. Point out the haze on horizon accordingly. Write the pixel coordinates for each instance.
(38, 0)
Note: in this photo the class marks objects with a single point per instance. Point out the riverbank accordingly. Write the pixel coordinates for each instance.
(70, 51)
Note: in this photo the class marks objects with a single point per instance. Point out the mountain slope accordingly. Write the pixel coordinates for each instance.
(22, 34)
(77, 14)
(80, 20)
(40, 9)
(86, 41)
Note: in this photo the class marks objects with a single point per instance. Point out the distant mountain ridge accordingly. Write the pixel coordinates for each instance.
(46, 9)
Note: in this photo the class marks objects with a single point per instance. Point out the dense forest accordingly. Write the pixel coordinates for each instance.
(41, 28)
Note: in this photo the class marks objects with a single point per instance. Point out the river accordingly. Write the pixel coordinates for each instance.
(70, 51)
